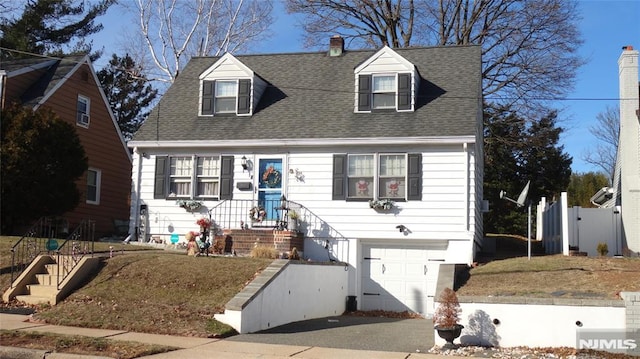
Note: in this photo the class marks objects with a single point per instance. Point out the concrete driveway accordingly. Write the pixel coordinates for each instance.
(351, 332)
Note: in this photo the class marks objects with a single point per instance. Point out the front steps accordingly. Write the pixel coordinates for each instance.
(38, 283)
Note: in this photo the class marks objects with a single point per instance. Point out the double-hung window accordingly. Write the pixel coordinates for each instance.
(208, 176)
(226, 95)
(384, 92)
(180, 172)
(93, 186)
(82, 111)
(360, 176)
(396, 176)
(199, 177)
(392, 176)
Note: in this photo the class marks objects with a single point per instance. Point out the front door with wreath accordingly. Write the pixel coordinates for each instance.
(270, 186)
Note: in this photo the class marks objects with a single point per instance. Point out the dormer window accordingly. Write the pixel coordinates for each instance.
(226, 97)
(384, 92)
(386, 81)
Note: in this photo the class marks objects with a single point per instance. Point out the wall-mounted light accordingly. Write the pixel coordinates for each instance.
(243, 162)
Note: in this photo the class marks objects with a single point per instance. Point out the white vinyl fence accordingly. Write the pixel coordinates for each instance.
(560, 227)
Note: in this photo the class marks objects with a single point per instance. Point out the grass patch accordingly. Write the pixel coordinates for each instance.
(555, 276)
(80, 345)
(159, 292)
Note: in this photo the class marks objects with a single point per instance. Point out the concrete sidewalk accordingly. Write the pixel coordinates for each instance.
(191, 347)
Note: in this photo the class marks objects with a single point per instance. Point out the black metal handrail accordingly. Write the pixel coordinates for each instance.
(245, 214)
(82, 243)
(40, 238)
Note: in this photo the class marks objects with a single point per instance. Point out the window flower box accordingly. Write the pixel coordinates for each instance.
(189, 205)
(381, 204)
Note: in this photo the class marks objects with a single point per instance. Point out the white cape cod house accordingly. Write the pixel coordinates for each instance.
(253, 138)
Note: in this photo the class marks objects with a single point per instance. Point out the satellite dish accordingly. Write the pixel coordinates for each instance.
(523, 195)
(521, 198)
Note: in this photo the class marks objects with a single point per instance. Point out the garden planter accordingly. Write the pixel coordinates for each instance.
(449, 334)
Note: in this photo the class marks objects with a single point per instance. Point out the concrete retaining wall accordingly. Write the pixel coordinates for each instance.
(288, 291)
(534, 322)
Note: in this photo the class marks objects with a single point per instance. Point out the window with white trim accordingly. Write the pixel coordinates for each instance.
(194, 176)
(82, 111)
(383, 91)
(93, 186)
(360, 175)
(208, 176)
(396, 176)
(226, 95)
(392, 176)
(180, 172)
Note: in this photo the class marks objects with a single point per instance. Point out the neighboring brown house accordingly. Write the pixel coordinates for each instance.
(70, 88)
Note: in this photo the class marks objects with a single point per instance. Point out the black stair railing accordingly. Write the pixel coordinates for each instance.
(40, 238)
(273, 214)
(79, 244)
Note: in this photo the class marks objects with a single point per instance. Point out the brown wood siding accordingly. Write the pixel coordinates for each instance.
(17, 85)
(104, 149)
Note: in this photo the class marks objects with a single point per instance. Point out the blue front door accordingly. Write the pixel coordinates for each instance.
(270, 186)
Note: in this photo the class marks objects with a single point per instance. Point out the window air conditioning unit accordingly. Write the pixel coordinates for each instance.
(84, 118)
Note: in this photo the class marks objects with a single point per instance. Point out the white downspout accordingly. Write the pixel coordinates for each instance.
(135, 211)
(466, 186)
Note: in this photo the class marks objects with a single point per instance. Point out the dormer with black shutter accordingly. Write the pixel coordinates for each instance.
(229, 87)
(386, 82)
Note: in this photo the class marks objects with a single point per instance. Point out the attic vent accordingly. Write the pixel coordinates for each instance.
(336, 45)
(84, 76)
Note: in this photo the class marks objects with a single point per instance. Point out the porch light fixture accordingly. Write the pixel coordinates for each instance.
(243, 162)
(283, 202)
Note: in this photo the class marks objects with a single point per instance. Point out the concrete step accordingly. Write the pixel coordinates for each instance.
(33, 300)
(55, 269)
(47, 279)
(39, 290)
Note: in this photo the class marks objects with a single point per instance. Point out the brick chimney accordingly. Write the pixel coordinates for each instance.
(336, 45)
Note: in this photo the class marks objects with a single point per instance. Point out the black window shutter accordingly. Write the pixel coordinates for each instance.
(404, 91)
(364, 93)
(208, 88)
(244, 96)
(339, 177)
(160, 184)
(226, 178)
(414, 177)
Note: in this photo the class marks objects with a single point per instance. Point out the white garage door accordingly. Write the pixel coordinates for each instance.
(398, 279)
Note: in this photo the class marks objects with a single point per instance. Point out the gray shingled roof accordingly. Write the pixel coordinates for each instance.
(50, 75)
(311, 95)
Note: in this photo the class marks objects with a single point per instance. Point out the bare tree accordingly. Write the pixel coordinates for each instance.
(607, 132)
(529, 47)
(175, 30)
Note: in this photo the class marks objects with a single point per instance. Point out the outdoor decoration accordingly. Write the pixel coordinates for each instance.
(271, 177)
(204, 223)
(189, 205)
(381, 204)
(257, 214)
(447, 316)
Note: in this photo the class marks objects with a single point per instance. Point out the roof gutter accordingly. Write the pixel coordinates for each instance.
(314, 142)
